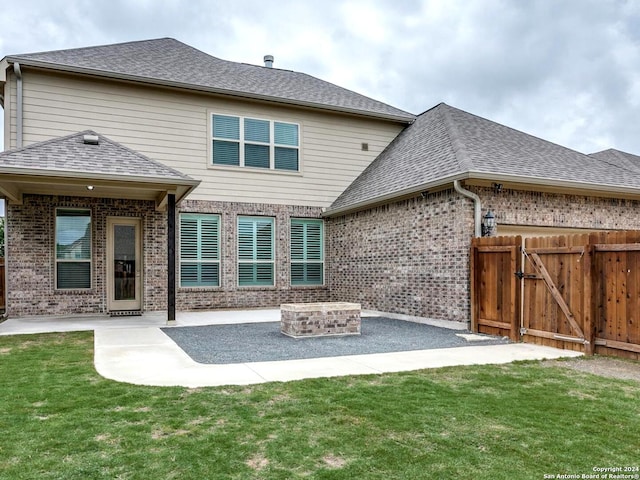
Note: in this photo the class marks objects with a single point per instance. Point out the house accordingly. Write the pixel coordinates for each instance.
(111, 138)
(152, 176)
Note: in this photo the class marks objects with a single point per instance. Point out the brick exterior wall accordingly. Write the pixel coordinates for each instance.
(31, 258)
(517, 207)
(412, 257)
(31, 255)
(408, 257)
(229, 295)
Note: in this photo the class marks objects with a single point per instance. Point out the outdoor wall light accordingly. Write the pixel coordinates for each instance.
(90, 187)
(489, 224)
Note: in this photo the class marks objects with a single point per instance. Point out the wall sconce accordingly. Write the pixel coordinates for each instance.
(489, 224)
(497, 187)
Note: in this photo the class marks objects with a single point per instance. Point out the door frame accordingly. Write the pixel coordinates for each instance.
(123, 305)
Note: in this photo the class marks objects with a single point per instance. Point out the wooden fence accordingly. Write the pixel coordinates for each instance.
(579, 292)
(2, 285)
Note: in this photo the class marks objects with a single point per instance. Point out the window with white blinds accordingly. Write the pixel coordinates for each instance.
(73, 249)
(255, 251)
(199, 250)
(307, 251)
(255, 143)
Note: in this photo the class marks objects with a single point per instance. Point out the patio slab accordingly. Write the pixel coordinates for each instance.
(124, 355)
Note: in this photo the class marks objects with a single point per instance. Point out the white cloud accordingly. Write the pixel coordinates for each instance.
(564, 70)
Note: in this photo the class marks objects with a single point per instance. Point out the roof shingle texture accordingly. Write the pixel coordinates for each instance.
(70, 154)
(169, 60)
(445, 141)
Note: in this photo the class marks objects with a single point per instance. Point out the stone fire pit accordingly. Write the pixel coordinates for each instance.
(319, 319)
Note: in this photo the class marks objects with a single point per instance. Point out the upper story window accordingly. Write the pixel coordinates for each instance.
(255, 143)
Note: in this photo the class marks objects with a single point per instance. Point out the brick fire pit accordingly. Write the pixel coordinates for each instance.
(319, 319)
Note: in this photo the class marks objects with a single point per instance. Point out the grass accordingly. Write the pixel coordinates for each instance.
(60, 419)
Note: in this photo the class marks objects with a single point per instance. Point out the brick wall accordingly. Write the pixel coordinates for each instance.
(516, 207)
(408, 257)
(31, 258)
(31, 261)
(412, 256)
(229, 295)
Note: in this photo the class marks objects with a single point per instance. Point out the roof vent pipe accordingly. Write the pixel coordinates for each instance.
(18, 72)
(268, 61)
(477, 212)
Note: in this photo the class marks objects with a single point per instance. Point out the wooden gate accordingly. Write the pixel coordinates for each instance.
(494, 286)
(579, 292)
(556, 290)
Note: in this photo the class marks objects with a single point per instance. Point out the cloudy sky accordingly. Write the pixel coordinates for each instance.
(564, 70)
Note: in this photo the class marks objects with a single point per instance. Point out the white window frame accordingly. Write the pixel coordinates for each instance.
(242, 142)
(64, 260)
(272, 261)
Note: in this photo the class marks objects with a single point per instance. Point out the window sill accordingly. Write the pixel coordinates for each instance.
(74, 291)
(270, 171)
(199, 289)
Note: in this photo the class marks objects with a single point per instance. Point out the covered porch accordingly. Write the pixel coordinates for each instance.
(90, 228)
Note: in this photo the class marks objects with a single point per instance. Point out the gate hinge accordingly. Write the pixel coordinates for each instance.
(519, 274)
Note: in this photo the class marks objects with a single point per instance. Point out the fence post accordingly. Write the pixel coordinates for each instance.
(588, 302)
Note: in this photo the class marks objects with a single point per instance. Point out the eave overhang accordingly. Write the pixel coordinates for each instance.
(15, 182)
(515, 182)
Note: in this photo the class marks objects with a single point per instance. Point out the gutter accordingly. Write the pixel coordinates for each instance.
(406, 119)
(18, 72)
(477, 206)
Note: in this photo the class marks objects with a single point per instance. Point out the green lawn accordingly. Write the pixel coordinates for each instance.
(59, 419)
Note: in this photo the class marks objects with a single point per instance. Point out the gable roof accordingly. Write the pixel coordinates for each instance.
(70, 160)
(168, 62)
(446, 144)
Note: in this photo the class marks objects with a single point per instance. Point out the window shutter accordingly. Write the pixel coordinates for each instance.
(307, 262)
(255, 251)
(199, 250)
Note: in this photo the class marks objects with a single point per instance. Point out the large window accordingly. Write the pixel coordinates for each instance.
(255, 143)
(307, 255)
(73, 249)
(199, 250)
(255, 251)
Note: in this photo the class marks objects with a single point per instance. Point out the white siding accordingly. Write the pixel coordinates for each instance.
(173, 127)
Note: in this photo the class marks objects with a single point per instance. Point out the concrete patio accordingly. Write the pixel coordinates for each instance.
(135, 350)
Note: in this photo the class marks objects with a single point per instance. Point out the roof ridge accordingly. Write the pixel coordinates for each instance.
(464, 162)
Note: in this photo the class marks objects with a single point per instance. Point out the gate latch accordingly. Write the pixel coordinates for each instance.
(519, 274)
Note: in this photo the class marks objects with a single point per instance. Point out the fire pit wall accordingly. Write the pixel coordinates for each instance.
(319, 319)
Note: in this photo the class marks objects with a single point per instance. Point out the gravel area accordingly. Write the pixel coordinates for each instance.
(263, 342)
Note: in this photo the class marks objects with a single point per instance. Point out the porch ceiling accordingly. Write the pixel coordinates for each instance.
(88, 165)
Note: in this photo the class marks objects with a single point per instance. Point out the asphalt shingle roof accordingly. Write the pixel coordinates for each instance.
(445, 142)
(167, 60)
(619, 158)
(70, 154)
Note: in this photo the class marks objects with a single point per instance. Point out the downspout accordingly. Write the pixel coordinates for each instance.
(16, 70)
(477, 206)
